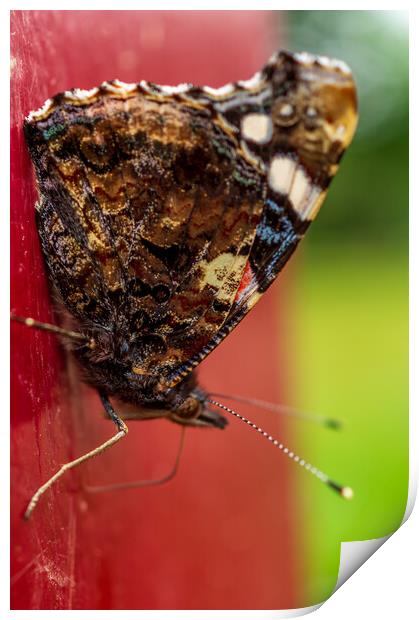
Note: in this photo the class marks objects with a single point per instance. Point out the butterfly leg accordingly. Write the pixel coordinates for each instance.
(122, 431)
(144, 483)
(48, 327)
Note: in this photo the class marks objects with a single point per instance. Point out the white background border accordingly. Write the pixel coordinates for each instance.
(386, 586)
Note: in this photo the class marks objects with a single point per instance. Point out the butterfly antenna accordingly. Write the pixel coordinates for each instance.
(331, 423)
(344, 491)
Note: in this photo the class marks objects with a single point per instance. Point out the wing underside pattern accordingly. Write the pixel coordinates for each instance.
(149, 236)
(166, 212)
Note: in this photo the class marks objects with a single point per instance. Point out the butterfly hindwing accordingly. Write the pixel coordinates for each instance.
(145, 225)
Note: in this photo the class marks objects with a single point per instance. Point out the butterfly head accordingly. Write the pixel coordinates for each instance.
(194, 410)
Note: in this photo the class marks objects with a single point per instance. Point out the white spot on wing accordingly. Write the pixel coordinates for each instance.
(227, 89)
(122, 89)
(174, 90)
(146, 86)
(41, 112)
(253, 82)
(286, 177)
(300, 190)
(281, 173)
(257, 128)
(273, 58)
(304, 57)
(324, 61)
(329, 63)
(341, 65)
(127, 86)
(333, 63)
(81, 95)
(306, 197)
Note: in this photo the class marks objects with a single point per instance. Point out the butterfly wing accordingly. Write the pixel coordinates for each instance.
(312, 105)
(166, 212)
(147, 216)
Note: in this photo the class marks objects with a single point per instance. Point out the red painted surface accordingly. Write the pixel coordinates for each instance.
(220, 535)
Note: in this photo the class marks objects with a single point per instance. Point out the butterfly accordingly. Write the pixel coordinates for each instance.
(165, 213)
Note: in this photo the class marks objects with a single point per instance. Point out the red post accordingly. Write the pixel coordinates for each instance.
(220, 535)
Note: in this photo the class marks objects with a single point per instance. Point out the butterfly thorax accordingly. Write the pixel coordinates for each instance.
(108, 362)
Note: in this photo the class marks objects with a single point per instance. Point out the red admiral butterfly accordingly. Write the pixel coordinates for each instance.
(165, 213)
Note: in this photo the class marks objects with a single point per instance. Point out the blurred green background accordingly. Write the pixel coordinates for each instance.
(352, 294)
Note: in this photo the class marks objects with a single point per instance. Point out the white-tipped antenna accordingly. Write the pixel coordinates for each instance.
(345, 492)
(316, 418)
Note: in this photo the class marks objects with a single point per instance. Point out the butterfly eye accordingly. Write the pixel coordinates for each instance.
(189, 409)
(285, 113)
